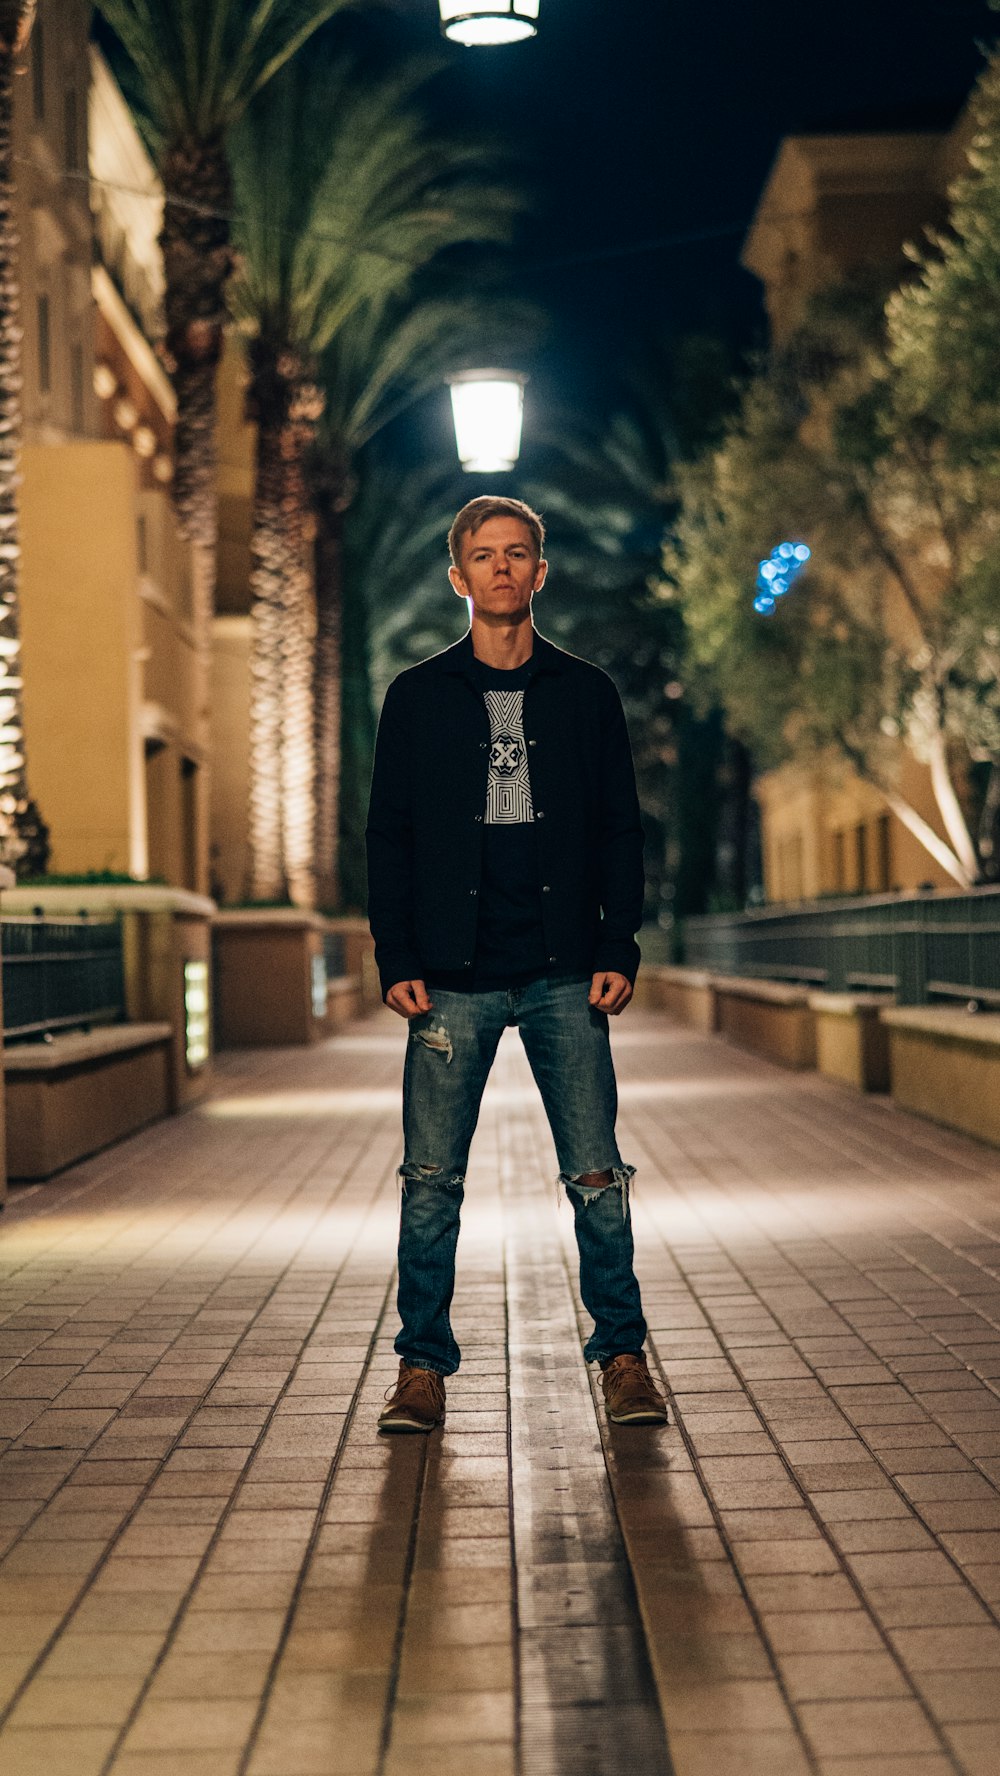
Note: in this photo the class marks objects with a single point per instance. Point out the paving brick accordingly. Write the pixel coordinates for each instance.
(280, 1550)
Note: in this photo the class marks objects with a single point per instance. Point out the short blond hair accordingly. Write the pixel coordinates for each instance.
(493, 505)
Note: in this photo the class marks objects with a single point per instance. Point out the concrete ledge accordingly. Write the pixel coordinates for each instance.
(687, 994)
(70, 1097)
(76, 1047)
(263, 975)
(852, 1043)
(768, 1017)
(343, 999)
(945, 1064)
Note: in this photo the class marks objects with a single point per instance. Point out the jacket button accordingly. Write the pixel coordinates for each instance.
(484, 743)
(479, 820)
(466, 964)
(532, 742)
(551, 958)
(545, 888)
(539, 815)
(473, 890)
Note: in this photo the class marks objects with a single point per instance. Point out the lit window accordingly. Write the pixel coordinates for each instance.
(196, 1032)
(319, 986)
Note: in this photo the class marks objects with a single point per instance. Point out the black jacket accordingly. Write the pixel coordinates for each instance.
(425, 818)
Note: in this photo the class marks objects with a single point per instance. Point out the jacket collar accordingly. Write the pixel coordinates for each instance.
(459, 659)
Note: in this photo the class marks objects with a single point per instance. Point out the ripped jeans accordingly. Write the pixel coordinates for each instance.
(449, 1053)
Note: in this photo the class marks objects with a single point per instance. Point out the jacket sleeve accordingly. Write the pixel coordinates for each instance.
(621, 876)
(389, 840)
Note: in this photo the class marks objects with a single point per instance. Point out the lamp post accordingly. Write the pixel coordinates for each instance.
(489, 21)
(487, 406)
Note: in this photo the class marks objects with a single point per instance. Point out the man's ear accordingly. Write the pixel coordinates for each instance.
(457, 583)
(541, 574)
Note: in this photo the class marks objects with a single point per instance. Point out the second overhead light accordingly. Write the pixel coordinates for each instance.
(477, 22)
(487, 407)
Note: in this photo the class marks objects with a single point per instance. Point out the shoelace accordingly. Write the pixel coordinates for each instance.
(421, 1381)
(637, 1373)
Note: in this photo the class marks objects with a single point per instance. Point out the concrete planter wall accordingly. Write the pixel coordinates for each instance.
(163, 930)
(71, 1097)
(689, 995)
(945, 1064)
(768, 1018)
(263, 969)
(359, 958)
(852, 1042)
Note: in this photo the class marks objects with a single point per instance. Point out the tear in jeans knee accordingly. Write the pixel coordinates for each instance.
(410, 1174)
(436, 1038)
(619, 1178)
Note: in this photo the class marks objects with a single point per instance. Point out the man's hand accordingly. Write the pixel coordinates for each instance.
(409, 998)
(609, 992)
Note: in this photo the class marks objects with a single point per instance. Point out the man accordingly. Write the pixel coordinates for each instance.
(505, 888)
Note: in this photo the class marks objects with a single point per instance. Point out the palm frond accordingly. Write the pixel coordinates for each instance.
(344, 194)
(199, 63)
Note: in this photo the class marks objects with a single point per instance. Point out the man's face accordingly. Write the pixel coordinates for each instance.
(499, 570)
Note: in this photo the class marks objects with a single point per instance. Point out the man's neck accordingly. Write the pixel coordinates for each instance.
(504, 647)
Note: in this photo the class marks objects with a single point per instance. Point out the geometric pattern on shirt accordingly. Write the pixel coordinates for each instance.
(508, 788)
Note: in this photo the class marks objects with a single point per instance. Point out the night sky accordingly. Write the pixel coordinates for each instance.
(640, 119)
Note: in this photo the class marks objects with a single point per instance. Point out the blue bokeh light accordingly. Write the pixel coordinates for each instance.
(777, 575)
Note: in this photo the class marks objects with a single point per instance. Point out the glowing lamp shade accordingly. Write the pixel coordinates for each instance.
(489, 21)
(487, 405)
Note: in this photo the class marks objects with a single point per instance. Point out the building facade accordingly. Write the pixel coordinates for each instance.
(115, 675)
(834, 206)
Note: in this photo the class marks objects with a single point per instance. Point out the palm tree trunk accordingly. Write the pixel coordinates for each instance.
(285, 405)
(331, 497)
(268, 576)
(297, 751)
(197, 262)
(333, 489)
(23, 835)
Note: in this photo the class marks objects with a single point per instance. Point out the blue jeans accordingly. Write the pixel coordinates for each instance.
(449, 1053)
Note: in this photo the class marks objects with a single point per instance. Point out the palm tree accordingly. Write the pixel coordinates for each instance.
(386, 358)
(343, 196)
(191, 68)
(393, 562)
(23, 836)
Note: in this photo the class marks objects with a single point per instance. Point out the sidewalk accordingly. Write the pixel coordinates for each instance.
(213, 1567)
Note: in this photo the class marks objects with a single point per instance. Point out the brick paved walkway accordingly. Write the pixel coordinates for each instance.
(212, 1567)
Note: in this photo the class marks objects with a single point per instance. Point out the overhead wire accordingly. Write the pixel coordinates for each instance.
(607, 252)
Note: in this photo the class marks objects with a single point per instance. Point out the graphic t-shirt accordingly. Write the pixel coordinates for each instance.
(510, 941)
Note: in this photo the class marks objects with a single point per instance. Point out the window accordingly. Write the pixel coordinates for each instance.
(189, 822)
(861, 855)
(883, 852)
(839, 862)
(38, 72)
(76, 393)
(44, 345)
(71, 130)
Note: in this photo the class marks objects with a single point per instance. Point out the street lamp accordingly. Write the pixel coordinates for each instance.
(489, 21)
(487, 406)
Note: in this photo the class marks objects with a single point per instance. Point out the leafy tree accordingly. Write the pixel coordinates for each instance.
(23, 834)
(876, 650)
(190, 68)
(344, 195)
(944, 345)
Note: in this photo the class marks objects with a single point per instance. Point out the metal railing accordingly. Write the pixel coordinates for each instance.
(60, 974)
(921, 948)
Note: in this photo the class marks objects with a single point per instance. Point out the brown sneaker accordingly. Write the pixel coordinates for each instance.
(417, 1401)
(630, 1394)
